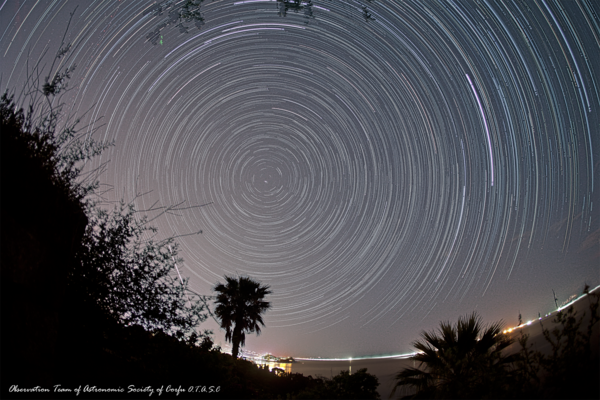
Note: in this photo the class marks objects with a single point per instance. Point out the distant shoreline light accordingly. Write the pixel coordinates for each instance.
(400, 356)
(509, 330)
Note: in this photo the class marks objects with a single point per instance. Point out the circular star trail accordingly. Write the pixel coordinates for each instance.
(379, 175)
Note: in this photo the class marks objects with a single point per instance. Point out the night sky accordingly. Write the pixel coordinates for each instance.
(380, 176)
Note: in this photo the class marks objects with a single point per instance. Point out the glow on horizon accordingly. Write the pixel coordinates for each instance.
(356, 358)
(551, 312)
(408, 355)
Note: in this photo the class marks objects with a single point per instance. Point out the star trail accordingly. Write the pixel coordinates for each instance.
(379, 175)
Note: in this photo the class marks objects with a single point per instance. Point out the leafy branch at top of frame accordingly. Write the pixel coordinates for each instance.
(179, 15)
(182, 14)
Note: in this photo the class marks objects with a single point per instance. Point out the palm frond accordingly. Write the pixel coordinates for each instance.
(239, 305)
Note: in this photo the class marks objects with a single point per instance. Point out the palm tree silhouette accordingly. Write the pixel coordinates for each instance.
(462, 361)
(240, 305)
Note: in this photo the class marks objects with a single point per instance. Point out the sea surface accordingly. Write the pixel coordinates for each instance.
(383, 368)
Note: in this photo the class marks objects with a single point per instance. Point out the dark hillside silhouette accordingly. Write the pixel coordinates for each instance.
(42, 226)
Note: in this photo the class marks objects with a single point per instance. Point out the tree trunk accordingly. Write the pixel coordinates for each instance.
(235, 340)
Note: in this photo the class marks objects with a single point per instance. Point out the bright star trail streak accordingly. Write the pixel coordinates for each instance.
(380, 176)
(487, 132)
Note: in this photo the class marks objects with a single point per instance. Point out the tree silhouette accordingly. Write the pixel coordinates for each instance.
(131, 278)
(461, 361)
(359, 385)
(240, 305)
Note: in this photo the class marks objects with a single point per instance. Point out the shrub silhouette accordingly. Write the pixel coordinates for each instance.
(572, 368)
